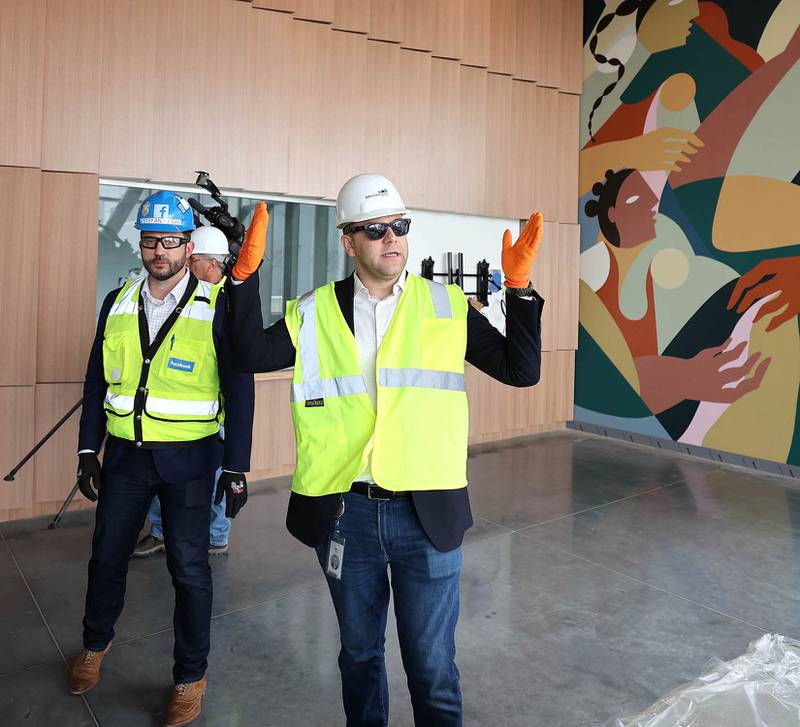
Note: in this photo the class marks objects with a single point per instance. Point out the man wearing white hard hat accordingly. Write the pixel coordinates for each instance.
(380, 416)
(206, 262)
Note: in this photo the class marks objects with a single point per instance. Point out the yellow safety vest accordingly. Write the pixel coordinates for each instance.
(419, 432)
(166, 393)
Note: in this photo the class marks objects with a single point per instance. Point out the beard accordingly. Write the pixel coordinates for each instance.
(173, 266)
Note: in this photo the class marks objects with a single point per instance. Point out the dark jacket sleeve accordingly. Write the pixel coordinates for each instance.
(255, 348)
(514, 359)
(238, 390)
(93, 418)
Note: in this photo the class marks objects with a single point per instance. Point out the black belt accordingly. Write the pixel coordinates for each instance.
(373, 492)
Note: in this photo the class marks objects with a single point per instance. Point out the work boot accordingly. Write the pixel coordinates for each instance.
(185, 704)
(148, 545)
(86, 670)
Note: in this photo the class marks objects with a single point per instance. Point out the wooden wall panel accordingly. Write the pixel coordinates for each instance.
(272, 81)
(308, 148)
(499, 158)
(228, 104)
(567, 150)
(352, 15)
(544, 279)
(571, 46)
(273, 434)
(128, 90)
(524, 186)
(444, 160)
(477, 32)
(20, 258)
(16, 439)
(320, 11)
(549, 43)
(448, 26)
(471, 137)
(413, 164)
(179, 144)
(22, 54)
(71, 118)
(387, 20)
(527, 30)
(548, 163)
(503, 36)
(284, 6)
(69, 215)
(383, 132)
(567, 278)
(56, 461)
(344, 122)
(419, 28)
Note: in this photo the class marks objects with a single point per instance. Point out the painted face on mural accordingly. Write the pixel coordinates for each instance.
(634, 212)
(667, 24)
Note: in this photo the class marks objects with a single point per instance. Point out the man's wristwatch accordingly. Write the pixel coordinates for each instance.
(521, 292)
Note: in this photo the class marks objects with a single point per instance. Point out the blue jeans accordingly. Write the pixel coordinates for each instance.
(220, 525)
(425, 583)
(124, 497)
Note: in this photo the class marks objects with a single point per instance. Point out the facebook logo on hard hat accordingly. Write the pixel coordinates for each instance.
(160, 210)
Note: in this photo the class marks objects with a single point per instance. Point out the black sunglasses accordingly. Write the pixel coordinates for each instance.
(377, 230)
(168, 243)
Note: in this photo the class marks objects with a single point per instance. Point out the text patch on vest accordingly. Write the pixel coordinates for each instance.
(315, 402)
(180, 364)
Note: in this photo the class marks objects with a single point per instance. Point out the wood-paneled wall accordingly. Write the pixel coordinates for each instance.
(470, 106)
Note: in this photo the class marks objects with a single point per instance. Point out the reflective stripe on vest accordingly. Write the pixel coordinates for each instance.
(165, 407)
(422, 379)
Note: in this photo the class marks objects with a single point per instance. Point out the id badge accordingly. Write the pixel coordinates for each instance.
(335, 556)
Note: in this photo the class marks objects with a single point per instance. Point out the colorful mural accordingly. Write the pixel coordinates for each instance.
(690, 223)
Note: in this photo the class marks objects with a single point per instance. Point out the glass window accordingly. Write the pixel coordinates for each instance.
(303, 249)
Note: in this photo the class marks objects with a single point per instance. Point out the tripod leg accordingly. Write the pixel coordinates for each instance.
(66, 504)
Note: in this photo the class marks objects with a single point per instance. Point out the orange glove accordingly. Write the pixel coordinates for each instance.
(518, 258)
(255, 243)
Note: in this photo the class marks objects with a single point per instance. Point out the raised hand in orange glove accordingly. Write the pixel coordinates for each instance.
(254, 245)
(518, 258)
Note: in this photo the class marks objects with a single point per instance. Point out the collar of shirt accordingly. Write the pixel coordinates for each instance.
(176, 293)
(360, 289)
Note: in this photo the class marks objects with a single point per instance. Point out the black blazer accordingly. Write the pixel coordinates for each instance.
(175, 464)
(515, 360)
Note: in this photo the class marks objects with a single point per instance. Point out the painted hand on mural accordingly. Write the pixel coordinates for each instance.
(517, 259)
(661, 149)
(711, 375)
(781, 276)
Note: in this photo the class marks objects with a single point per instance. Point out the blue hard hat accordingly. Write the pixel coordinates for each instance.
(165, 212)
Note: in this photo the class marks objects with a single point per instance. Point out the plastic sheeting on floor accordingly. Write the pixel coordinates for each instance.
(759, 689)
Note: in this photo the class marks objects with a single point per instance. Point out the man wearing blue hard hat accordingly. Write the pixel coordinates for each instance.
(159, 370)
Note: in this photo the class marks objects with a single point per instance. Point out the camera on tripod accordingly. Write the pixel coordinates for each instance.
(219, 217)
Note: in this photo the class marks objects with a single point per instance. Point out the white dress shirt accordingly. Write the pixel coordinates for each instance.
(157, 311)
(371, 319)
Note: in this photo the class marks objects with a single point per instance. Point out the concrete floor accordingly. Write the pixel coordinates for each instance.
(598, 576)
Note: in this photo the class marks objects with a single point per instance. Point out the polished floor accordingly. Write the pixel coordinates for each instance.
(599, 575)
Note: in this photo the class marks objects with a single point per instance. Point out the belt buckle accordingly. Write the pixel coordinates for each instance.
(370, 497)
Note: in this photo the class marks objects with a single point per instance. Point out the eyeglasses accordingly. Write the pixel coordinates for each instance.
(377, 230)
(168, 243)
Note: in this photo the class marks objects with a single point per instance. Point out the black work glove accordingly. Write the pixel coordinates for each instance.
(234, 486)
(89, 475)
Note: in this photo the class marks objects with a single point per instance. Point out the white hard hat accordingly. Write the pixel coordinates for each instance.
(209, 241)
(366, 196)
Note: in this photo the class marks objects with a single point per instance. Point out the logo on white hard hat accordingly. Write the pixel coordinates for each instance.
(377, 194)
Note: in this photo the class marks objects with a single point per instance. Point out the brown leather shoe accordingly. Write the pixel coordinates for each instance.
(185, 704)
(86, 670)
